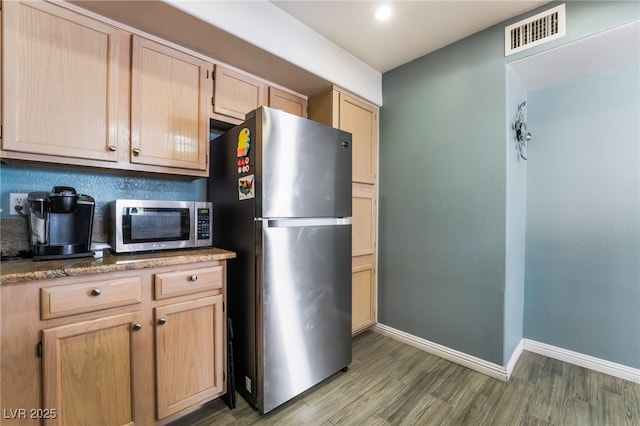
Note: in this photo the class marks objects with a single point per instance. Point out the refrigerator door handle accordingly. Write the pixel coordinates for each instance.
(302, 222)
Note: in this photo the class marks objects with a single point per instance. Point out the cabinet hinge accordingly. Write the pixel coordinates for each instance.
(39, 350)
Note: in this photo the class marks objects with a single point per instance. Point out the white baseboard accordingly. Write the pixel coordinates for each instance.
(477, 364)
(515, 356)
(592, 363)
(504, 372)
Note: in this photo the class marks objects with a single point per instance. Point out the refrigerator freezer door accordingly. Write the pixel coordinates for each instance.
(306, 167)
(306, 307)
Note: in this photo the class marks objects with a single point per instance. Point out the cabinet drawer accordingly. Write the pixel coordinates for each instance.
(88, 297)
(189, 281)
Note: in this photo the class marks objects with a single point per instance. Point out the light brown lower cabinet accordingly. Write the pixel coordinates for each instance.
(363, 284)
(88, 372)
(189, 354)
(144, 356)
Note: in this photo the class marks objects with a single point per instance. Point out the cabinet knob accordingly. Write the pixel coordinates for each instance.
(112, 148)
(194, 278)
(162, 321)
(137, 326)
(136, 151)
(96, 292)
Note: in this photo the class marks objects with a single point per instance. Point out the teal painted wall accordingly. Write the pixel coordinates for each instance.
(516, 204)
(442, 197)
(583, 217)
(450, 209)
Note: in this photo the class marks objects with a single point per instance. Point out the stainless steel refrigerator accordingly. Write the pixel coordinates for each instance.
(281, 191)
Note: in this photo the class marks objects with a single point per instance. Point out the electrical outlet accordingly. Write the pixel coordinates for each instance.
(17, 199)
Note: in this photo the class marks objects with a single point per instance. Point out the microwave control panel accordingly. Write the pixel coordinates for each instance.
(203, 223)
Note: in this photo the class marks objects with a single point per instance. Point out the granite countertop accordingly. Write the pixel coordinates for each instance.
(17, 271)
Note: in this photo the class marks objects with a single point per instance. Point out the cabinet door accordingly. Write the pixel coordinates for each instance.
(287, 102)
(361, 120)
(236, 94)
(364, 219)
(190, 354)
(64, 87)
(169, 112)
(363, 300)
(88, 372)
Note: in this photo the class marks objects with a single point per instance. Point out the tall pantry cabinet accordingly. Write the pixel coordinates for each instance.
(346, 111)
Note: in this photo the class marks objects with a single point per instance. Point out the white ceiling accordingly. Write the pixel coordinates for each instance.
(415, 28)
(304, 45)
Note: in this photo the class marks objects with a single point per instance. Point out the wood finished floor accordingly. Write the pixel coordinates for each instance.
(391, 383)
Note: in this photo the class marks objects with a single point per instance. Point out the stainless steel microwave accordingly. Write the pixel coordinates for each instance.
(146, 225)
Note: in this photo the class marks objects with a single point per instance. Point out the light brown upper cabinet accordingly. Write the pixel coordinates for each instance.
(356, 116)
(235, 94)
(359, 119)
(287, 102)
(102, 97)
(169, 107)
(94, 98)
(64, 86)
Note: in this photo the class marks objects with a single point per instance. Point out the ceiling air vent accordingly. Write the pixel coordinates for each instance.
(535, 30)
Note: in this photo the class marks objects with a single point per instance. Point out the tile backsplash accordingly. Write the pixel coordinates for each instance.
(14, 233)
(103, 187)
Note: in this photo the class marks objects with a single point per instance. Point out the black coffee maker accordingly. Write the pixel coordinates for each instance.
(60, 223)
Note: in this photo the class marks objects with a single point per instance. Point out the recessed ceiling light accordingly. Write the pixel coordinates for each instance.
(383, 13)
